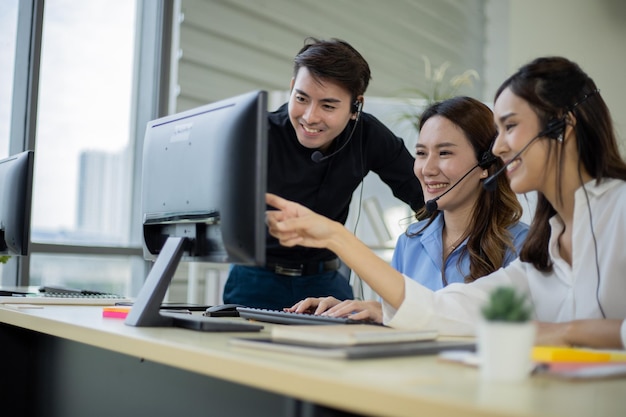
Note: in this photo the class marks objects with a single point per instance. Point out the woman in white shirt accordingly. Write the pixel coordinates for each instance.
(556, 137)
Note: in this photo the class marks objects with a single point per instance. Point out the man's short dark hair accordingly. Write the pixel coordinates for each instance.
(335, 60)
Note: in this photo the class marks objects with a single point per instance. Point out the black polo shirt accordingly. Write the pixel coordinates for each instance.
(326, 187)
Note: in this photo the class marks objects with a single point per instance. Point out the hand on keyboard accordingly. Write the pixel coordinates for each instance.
(290, 317)
(370, 311)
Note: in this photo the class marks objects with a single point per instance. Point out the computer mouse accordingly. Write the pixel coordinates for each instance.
(223, 310)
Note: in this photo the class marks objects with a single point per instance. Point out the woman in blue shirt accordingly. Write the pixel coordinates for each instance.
(465, 232)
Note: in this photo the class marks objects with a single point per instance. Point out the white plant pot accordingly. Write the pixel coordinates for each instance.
(505, 350)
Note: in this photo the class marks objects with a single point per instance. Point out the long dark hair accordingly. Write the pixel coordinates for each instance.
(554, 87)
(494, 211)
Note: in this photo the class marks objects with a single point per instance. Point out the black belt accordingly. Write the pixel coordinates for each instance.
(301, 269)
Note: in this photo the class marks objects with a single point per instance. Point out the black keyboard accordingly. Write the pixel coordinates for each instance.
(74, 293)
(285, 317)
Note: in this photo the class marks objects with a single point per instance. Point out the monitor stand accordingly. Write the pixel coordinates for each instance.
(146, 308)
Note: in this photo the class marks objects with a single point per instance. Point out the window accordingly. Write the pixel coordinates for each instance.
(8, 30)
(82, 188)
(84, 147)
(86, 80)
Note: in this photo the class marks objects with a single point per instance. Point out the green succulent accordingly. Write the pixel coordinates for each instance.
(4, 259)
(506, 304)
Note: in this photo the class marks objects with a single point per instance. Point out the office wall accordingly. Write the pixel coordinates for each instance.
(227, 47)
(591, 33)
(231, 46)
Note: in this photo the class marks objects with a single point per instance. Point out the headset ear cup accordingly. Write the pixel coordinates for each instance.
(487, 159)
(357, 106)
(554, 129)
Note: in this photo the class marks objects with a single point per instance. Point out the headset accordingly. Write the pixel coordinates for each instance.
(356, 108)
(554, 129)
(486, 160)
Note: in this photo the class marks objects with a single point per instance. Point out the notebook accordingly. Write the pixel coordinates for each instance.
(364, 351)
(347, 334)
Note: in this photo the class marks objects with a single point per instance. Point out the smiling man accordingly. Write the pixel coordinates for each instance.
(321, 146)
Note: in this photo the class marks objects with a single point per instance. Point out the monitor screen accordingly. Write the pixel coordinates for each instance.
(16, 182)
(203, 193)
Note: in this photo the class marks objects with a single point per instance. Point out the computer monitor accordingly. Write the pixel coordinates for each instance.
(203, 193)
(16, 183)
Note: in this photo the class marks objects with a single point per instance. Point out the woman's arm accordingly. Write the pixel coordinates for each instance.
(595, 333)
(294, 224)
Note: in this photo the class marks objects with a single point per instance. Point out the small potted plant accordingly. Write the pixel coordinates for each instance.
(507, 305)
(506, 336)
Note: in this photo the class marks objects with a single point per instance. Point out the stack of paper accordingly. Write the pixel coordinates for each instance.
(350, 341)
(579, 363)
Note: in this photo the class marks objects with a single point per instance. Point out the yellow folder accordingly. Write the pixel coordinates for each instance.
(568, 354)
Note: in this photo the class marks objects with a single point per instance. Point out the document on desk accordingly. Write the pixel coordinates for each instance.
(359, 351)
(582, 370)
(347, 334)
(562, 362)
(579, 363)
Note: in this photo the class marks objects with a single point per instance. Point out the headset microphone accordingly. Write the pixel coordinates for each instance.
(485, 162)
(318, 156)
(553, 130)
(490, 183)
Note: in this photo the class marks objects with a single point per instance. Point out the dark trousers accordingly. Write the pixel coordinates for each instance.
(262, 288)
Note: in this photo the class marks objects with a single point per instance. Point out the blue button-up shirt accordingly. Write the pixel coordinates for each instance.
(420, 257)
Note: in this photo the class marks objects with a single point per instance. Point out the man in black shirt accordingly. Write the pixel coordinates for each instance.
(321, 146)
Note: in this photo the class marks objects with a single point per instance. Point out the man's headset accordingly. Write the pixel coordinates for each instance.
(357, 107)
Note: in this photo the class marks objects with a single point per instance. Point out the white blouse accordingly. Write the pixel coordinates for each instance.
(582, 291)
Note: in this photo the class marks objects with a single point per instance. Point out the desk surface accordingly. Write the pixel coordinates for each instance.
(388, 387)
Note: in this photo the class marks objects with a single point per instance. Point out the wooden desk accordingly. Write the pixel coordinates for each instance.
(70, 361)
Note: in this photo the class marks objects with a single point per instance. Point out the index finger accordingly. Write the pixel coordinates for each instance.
(275, 201)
